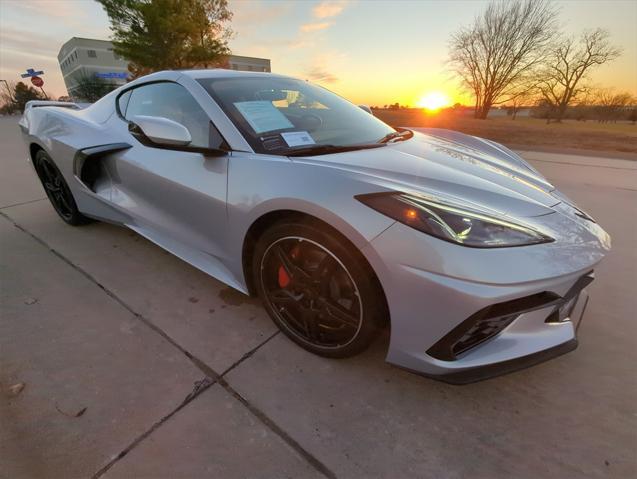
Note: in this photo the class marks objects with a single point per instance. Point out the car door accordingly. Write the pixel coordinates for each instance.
(175, 196)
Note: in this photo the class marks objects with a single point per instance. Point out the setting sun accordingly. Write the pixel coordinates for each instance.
(433, 101)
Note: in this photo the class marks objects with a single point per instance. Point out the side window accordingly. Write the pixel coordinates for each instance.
(122, 102)
(172, 101)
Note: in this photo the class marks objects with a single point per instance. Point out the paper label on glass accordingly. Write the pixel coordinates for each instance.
(298, 138)
(263, 116)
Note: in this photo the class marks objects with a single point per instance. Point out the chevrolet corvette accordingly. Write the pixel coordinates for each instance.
(341, 224)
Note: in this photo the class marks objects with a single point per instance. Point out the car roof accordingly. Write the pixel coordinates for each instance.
(173, 75)
(223, 73)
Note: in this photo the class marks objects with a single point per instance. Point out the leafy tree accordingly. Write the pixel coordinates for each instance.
(92, 88)
(169, 34)
(497, 57)
(570, 61)
(17, 96)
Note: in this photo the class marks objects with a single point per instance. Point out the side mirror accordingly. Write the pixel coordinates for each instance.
(367, 109)
(160, 131)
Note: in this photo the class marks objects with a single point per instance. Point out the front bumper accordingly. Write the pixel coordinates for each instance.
(473, 375)
(479, 373)
(426, 307)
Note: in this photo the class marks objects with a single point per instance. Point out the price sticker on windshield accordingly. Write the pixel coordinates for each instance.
(263, 116)
(298, 138)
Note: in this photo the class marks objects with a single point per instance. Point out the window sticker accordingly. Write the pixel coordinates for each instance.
(298, 138)
(263, 116)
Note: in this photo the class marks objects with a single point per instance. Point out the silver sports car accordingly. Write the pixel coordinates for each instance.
(341, 224)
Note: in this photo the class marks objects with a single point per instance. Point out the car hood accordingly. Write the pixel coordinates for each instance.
(453, 165)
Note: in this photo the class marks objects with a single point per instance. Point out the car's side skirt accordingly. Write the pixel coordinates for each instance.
(207, 263)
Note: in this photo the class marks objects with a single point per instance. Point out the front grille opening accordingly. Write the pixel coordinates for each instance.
(490, 321)
(487, 323)
(481, 331)
(564, 311)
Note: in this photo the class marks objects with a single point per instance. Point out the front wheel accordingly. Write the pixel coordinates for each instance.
(317, 289)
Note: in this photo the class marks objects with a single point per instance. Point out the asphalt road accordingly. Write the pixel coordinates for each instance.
(137, 365)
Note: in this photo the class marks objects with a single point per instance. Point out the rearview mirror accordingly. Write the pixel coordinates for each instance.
(367, 109)
(272, 95)
(160, 131)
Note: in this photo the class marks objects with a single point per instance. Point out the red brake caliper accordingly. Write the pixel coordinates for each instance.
(284, 277)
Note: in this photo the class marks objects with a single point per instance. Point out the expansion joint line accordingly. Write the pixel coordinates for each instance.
(211, 376)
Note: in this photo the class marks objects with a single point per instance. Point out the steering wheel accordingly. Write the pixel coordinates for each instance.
(307, 121)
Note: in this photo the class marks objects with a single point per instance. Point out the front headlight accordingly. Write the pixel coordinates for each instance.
(449, 222)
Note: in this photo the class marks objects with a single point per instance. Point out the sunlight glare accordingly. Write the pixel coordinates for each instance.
(433, 101)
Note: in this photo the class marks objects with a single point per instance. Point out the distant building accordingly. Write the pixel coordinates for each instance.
(249, 64)
(88, 57)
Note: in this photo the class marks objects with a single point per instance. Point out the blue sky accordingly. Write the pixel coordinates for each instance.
(371, 51)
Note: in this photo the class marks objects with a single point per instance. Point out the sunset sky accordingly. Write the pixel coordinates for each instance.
(370, 51)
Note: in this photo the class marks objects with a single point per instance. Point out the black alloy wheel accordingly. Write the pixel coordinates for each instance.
(316, 292)
(57, 190)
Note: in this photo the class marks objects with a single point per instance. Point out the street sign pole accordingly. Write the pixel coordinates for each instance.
(31, 73)
(35, 79)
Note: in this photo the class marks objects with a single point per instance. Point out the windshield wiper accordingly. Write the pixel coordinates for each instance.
(398, 135)
(327, 149)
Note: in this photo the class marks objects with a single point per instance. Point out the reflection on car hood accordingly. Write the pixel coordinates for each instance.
(453, 165)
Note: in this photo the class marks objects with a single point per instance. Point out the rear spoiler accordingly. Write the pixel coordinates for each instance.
(30, 105)
(38, 103)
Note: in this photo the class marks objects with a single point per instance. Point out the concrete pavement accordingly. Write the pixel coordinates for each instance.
(179, 376)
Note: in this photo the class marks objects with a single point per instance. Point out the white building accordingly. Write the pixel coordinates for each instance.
(87, 57)
(249, 64)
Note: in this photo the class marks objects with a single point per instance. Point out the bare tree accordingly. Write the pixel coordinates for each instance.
(570, 60)
(502, 51)
(611, 106)
(525, 97)
(16, 96)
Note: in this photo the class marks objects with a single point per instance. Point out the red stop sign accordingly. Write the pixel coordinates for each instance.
(37, 81)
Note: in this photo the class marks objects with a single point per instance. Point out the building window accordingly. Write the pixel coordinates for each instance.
(91, 53)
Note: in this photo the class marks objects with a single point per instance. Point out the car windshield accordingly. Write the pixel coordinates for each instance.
(282, 116)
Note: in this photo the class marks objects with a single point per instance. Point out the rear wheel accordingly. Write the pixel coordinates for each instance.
(317, 290)
(57, 190)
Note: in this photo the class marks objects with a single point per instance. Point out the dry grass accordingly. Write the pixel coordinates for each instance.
(618, 139)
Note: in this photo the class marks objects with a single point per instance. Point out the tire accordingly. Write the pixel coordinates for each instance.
(318, 289)
(57, 190)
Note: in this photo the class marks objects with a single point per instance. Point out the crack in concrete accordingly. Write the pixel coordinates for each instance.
(23, 203)
(199, 388)
(212, 377)
(318, 465)
(249, 354)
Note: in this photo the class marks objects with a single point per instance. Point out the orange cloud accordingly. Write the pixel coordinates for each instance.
(313, 27)
(328, 8)
(319, 74)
